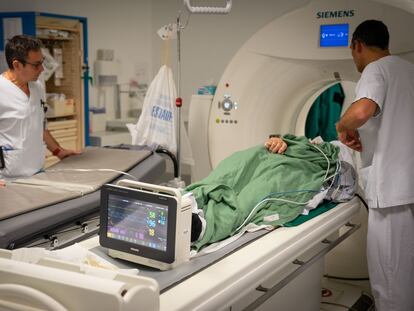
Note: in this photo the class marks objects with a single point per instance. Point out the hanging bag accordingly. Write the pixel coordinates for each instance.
(156, 125)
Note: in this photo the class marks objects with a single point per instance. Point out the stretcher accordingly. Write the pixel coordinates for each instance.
(259, 270)
(69, 214)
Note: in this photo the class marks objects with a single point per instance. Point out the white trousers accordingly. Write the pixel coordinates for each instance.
(390, 254)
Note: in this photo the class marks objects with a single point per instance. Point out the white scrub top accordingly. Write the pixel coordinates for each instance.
(387, 172)
(21, 129)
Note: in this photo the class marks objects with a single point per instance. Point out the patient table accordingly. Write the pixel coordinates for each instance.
(74, 217)
(285, 264)
(278, 270)
(260, 269)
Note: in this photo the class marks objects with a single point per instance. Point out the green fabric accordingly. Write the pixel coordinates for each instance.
(324, 113)
(322, 208)
(242, 180)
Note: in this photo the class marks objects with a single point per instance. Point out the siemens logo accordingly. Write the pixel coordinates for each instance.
(335, 14)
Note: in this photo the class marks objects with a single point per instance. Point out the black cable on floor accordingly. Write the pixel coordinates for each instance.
(362, 200)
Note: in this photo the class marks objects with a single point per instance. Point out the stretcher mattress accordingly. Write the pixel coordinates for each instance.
(39, 207)
(59, 183)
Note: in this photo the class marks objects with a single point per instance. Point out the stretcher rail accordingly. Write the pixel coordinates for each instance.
(303, 265)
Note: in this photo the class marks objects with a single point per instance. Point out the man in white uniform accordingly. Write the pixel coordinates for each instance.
(380, 124)
(22, 130)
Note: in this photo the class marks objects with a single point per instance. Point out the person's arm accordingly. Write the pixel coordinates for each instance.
(55, 148)
(276, 145)
(356, 116)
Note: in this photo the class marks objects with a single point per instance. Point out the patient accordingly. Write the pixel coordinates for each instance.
(276, 144)
(268, 186)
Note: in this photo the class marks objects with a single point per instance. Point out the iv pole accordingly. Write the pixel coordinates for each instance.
(179, 102)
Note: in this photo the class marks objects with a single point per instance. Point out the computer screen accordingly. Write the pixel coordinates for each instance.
(137, 222)
(334, 35)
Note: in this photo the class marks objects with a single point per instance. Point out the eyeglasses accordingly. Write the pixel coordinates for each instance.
(34, 65)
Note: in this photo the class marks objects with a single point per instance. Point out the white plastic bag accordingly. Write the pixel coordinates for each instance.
(156, 126)
(50, 65)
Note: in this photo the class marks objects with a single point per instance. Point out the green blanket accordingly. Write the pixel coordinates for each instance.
(242, 180)
(324, 113)
(320, 209)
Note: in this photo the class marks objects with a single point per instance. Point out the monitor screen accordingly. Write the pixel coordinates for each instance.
(138, 222)
(334, 35)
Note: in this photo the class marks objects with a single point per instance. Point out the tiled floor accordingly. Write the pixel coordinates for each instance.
(342, 294)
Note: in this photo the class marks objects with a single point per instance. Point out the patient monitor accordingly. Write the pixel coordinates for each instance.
(146, 224)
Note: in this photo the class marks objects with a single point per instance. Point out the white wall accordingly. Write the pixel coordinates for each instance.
(210, 41)
(129, 27)
(119, 25)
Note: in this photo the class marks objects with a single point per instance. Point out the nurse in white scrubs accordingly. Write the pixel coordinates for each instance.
(380, 124)
(22, 117)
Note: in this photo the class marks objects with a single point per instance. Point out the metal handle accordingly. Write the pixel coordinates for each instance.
(269, 292)
(208, 9)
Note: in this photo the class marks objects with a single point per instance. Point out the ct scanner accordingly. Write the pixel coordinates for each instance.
(275, 77)
(273, 80)
(267, 88)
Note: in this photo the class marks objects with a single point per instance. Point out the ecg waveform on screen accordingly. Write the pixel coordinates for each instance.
(138, 222)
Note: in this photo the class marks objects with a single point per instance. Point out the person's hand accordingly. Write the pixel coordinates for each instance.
(64, 153)
(276, 145)
(350, 138)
